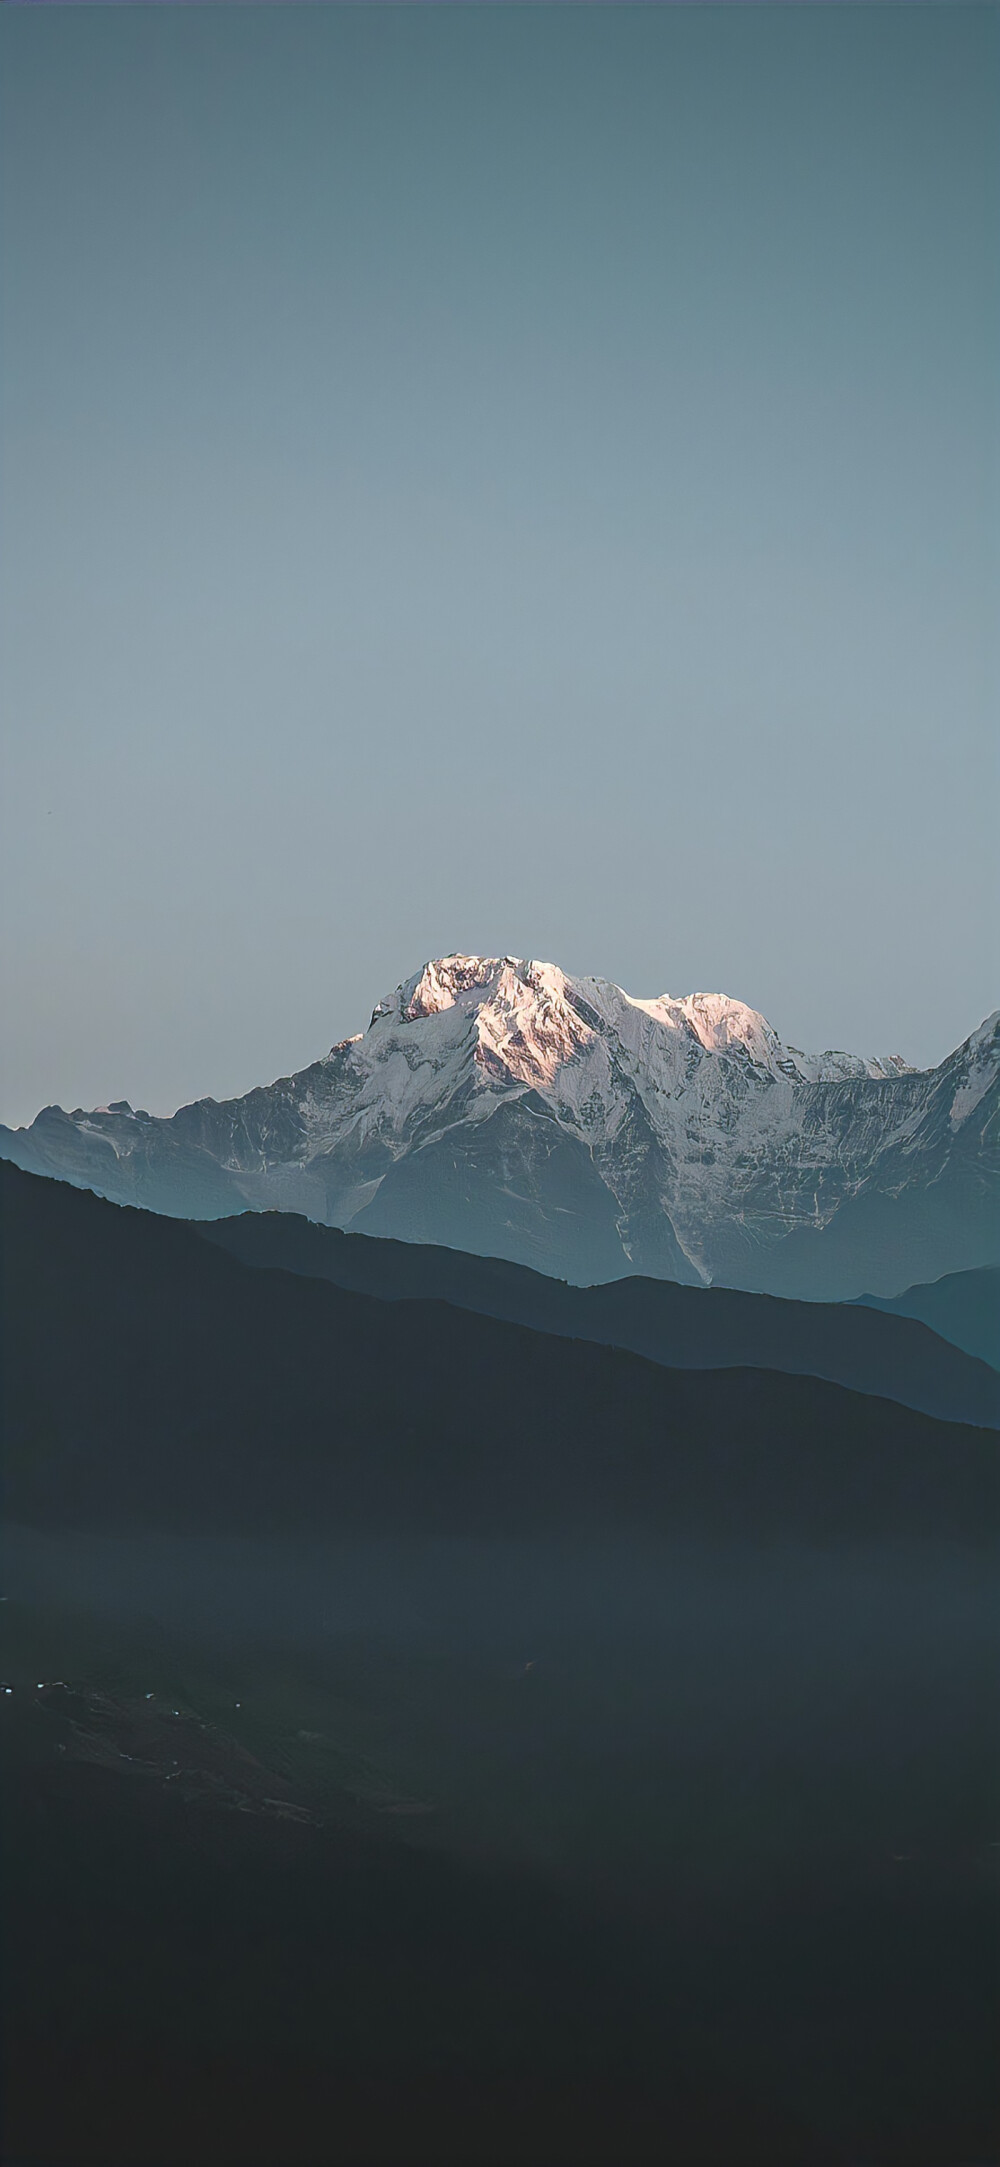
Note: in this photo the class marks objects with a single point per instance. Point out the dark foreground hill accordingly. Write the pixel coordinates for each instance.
(680, 1327)
(151, 1380)
(963, 1307)
(654, 1823)
(191, 1978)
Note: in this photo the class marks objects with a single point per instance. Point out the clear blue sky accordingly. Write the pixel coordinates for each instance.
(511, 479)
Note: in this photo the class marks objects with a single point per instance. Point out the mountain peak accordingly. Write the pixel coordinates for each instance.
(517, 1012)
(499, 1102)
(529, 1017)
(470, 981)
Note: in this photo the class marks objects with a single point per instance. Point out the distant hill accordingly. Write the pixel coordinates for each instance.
(964, 1308)
(149, 1379)
(681, 1327)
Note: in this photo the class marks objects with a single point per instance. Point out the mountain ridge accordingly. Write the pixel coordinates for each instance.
(687, 1328)
(502, 1107)
(150, 1380)
(962, 1306)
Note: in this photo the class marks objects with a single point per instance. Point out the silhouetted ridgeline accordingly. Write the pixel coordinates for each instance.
(680, 1327)
(150, 1379)
(963, 1307)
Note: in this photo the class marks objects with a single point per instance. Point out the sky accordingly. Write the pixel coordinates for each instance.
(512, 480)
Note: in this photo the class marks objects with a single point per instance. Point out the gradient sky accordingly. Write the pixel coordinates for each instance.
(515, 480)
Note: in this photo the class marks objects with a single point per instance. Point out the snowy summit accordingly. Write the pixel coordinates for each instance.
(501, 1105)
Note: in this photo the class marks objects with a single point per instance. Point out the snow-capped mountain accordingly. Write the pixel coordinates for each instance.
(500, 1106)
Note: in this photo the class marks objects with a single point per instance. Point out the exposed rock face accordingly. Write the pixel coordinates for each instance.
(499, 1106)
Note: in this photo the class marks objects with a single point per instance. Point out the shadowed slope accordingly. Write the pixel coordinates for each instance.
(964, 1308)
(150, 1379)
(680, 1327)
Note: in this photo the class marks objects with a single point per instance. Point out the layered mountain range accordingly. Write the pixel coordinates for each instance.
(868, 1346)
(499, 1106)
(454, 1735)
(152, 1379)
